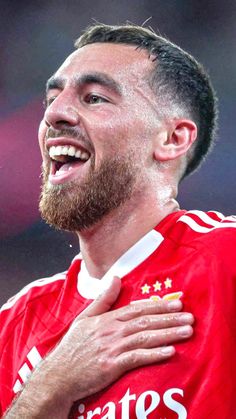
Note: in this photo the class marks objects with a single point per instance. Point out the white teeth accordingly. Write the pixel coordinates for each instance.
(65, 150)
(84, 156)
(58, 150)
(52, 151)
(71, 151)
(78, 154)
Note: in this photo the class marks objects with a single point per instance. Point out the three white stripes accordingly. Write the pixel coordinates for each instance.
(25, 371)
(205, 218)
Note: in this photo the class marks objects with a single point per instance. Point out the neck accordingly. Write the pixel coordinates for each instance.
(105, 242)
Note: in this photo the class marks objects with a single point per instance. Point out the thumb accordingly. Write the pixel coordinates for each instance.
(105, 300)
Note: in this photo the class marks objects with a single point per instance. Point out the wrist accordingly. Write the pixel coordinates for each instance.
(41, 397)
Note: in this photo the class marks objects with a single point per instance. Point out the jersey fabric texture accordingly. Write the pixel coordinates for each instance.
(189, 255)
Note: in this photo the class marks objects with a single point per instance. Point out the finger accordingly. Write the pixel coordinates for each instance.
(154, 338)
(104, 301)
(154, 322)
(138, 309)
(140, 357)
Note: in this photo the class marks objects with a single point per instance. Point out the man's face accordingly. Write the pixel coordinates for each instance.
(96, 135)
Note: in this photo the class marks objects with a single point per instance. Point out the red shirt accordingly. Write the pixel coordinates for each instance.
(189, 255)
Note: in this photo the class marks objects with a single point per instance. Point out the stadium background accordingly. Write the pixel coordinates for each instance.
(35, 38)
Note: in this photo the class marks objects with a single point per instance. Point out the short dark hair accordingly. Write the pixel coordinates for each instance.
(176, 75)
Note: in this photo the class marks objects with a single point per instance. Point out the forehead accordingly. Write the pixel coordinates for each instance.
(125, 63)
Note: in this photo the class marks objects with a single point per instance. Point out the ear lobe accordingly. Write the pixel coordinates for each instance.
(176, 141)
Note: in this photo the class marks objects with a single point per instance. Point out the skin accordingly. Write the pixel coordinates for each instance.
(115, 126)
(120, 122)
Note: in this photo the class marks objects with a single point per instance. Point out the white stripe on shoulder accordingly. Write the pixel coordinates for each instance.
(223, 218)
(38, 283)
(205, 218)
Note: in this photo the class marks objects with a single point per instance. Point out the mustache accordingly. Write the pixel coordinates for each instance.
(71, 132)
(64, 132)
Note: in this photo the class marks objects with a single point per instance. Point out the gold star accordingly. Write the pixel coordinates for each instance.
(157, 286)
(168, 283)
(145, 289)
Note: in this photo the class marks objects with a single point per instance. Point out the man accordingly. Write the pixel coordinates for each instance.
(128, 115)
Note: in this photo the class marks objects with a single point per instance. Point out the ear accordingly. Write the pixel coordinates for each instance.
(176, 140)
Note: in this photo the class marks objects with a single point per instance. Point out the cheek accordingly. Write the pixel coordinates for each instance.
(105, 130)
(112, 132)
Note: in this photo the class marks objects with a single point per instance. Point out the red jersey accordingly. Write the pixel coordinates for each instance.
(189, 255)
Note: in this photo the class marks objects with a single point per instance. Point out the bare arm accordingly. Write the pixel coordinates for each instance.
(98, 348)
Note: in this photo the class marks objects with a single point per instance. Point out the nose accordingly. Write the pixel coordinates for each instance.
(62, 111)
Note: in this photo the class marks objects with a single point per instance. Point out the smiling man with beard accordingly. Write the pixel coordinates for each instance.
(128, 115)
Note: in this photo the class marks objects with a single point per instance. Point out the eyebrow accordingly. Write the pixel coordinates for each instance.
(91, 78)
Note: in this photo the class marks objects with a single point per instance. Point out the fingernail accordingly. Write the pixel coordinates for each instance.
(167, 350)
(184, 331)
(174, 305)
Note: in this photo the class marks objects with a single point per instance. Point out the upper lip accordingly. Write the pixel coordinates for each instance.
(63, 141)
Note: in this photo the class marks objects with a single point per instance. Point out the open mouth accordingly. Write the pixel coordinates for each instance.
(65, 160)
(67, 155)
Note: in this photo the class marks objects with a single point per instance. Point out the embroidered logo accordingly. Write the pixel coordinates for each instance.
(153, 290)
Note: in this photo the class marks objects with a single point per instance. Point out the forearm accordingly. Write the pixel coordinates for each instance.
(42, 397)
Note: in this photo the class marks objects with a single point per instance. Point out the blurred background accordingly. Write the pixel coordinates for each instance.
(35, 37)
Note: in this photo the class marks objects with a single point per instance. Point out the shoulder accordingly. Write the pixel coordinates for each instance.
(209, 236)
(33, 290)
(212, 227)
(207, 222)
(202, 234)
(36, 294)
(16, 307)
(38, 289)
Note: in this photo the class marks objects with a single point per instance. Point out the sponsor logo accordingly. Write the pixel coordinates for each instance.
(146, 403)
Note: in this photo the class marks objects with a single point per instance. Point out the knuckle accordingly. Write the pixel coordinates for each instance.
(136, 309)
(103, 363)
(142, 339)
(168, 320)
(165, 335)
(142, 322)
(129, 360)
(105, 366)
(168, 332)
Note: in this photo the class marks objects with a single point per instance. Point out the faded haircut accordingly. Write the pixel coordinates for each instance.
(176, 77)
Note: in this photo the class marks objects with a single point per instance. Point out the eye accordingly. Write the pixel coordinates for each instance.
(47, 101)
(94, 99)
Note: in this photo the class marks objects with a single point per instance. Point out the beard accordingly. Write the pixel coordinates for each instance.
(76, 206)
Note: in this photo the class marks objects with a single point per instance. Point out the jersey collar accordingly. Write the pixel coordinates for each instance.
(90, 287)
